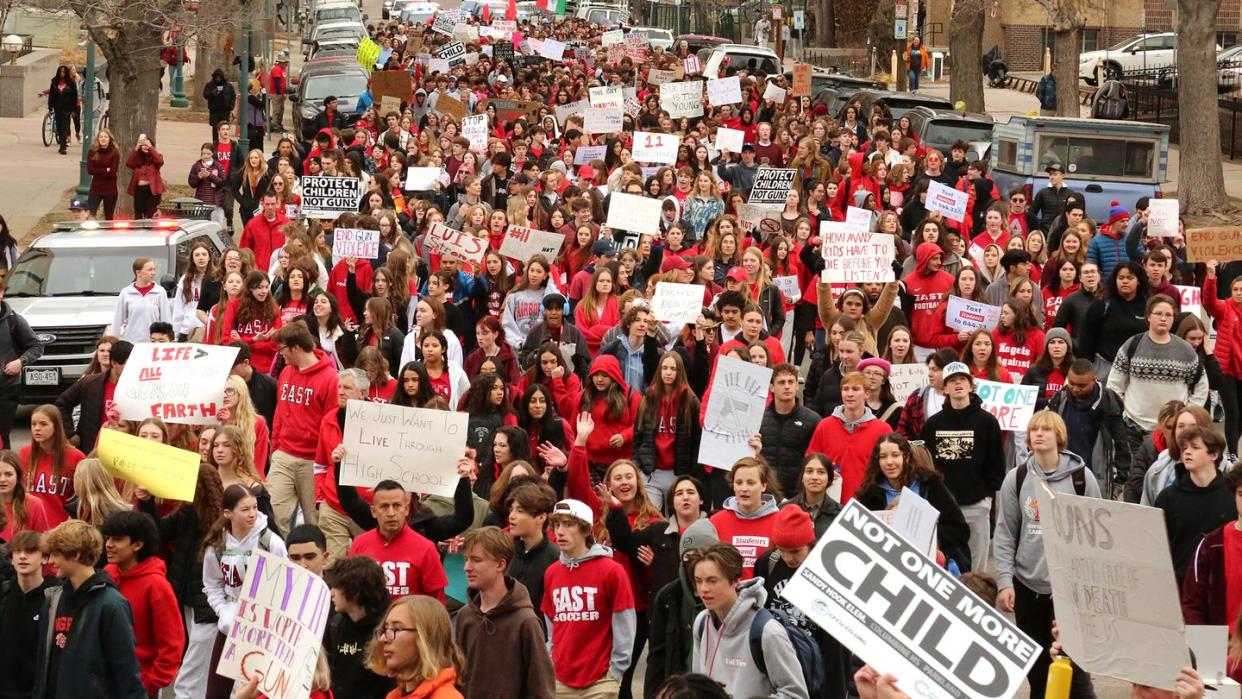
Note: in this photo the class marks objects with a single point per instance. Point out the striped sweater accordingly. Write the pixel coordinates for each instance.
(1148, 375)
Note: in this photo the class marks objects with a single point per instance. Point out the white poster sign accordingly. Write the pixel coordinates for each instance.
(520, 243)
(774, 93)
(552, 50)
(857, 219)
(1012, 404)
(421, 179)
(677, 303)
(415, 447)
(656, 147)
(586, 154)
(1191, 299)
(789, 287)
(905, 379)
(682, 99)
(474, 129)
(739, 392)
(951, 203)
(1162, 217)
(328, 197)
(722, 91)
(856, 258)
(177, 382)
(965, 315)
(445, 21)
(597, 120)
(730, 139)
(612, 37)
(607, 96)
(355, 242)
(630, 212)
(453, 54)
(463, 246)
(772, 185)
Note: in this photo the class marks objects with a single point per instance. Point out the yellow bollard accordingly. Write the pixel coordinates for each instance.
(893, 62)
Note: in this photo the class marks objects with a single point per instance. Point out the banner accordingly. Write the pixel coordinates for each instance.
(1220, 244)
(277, 633)
(771, 185)
(677, 303)
(164, 471)
(724, 91)
(454, 53)
(474, 129)
(856, 258)
(355, 242)
(445, 21)
(1013, 405)
(1113, 586)
(177, 382)
(897, 610)
(682, 99)
(905, 379)
(950, 202)
(451, 243)
(730, 139)
(739, 393)
(596, 120)
(415, 447)
(328, 197)
(802, 80)
(965, 315)
(656, 147)
(631, 212)
(520, 243)
(1162, 217)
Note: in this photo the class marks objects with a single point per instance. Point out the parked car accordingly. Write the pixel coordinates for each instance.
(347, 46)
(898, 103)
(417, 12)
(1142, 52)
(334, 11)
(941, 128)
(605, 16)
(656, 37)
(697, 42)
(341, 77)
(67, 282)
(823, 80)
(835, 98)
(754, 59)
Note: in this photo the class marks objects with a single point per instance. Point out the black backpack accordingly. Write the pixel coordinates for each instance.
(809, 656)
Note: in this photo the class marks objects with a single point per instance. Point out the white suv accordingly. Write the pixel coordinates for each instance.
(1143, 52)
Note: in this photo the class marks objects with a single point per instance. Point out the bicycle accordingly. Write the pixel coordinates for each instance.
(49, 124)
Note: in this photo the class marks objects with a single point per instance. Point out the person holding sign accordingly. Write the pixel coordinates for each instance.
(1227, 316)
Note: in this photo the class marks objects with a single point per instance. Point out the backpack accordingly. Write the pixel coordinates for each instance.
(809, 656)
(1078, 477)
(265, 543)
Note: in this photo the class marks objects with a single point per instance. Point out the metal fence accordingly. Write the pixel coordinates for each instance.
(1152, 96)
(696, 18)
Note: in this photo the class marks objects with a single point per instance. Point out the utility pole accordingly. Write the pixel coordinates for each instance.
(243, 91)
(88, 119)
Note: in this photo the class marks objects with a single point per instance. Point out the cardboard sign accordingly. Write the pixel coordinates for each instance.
(418, 448)
(891, 605)
(774, 93)
(474, 129)
(682, 99)
(677, 303)
(607, 96)
(730, 139)
(771, 185)
(631, 212)
(851, 257)
(656, 147)
(1113, 586)
(1012, 404)
(512, 110)
(389, 105)
(1162, 217)
(585, 154)
(521, 243)
(596, 120)
(329, 197)
(445, 21)
(450, 243)
(656, 76)
(454, 53)
(552, 50)
(724, 91)
(277, 633)
(1191, 299)
(421, 179)
(802, 80)
(905, 379)
(355, 242)
(950, 202)
(394, 84)
(1220, 244)
(789, 287)
(965, 315)
(177, 382)
(164, 471)
(451, 106)
(739, 392)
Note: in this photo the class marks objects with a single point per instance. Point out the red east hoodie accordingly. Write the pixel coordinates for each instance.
(928, 289)
(605, 425)
(159, 637)
(338, 285)
(303, 398)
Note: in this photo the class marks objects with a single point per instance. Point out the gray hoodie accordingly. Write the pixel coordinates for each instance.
(769, 506)
(624, 623)
(852, 426)
(1018, 541)
(722, 650)
(1159, 476)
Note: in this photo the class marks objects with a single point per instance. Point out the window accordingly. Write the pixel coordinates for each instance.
(1090, 40)
(1093, 156)
(1227, 39)
(1007, 154)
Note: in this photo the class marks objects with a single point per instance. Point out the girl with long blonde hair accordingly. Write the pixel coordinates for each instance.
(240, 412)
(98, 497)
(233, 458)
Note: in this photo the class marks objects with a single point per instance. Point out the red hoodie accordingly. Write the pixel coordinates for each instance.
(928, 290)
(264, 237)
(850, 450)
(337, 285)
(598, 445)
(262, 352)
(304, 397)
(159, 637)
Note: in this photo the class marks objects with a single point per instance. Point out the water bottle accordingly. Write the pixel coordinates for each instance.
(1060, 673)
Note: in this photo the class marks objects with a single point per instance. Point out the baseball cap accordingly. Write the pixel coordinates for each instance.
(956, 369)
(574, 508)
(1053, 166)
(748, 147)
(77, 204)
(604, 247)
(737, 274)
(674, 262)
(282, 57)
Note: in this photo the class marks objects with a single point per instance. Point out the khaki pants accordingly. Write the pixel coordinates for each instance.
(339, 529)
(278, 112)
(291, 483)
(606, 688)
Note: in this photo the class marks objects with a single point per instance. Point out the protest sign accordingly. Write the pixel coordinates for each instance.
(612, 37)
(682, 99)
(368, 51)
(1162, 217)
(677, 303)
(552, 50)
(177, 382)
(607, 96)
(730, 139)
(1013, 405)
(774, 93)
(392, 84)
(802, 80)
(724, 91)
(463, 246)
(905, 379)
(656, 147)
(466, 33)
(415, 447)
(474, 129)
(789, 287)
(1113, 586)
(451, 106)
(355, 242)
(437, 65)
(630, 212)
(504, 27)
(445, 21)
(858, 220)
(951, 203)
(771, 185)
(563, 112)
(656, 76)
(502, 51)
(454, 53)
(511, 110)
(1191, 299)
(421, 179)
(520, 243)
(914, 519)
(597, 120)
(389, 105)
(965, 315)
(739, 392)
(851, 257)
(163, 471)
(329, 197)
(758, 218)
(277, 633)
(691, 65)
(586, 154)
(895, 609)
(1220, 244)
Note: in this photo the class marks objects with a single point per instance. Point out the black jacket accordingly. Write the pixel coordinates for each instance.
(966, 447)
(685, 447)
(65, 100)
(345, 642)
(952, 532)
(390, 345)
(263, 394)
(96, 657)
(1049, 203)
(1109, 323)
(248, 197)
(19, 637)
(651, 355)
(17, 341)
(1106, 410)
(662, 536)
(671, 635)
(323, 121)
(180, 532)
(570, 334)
(88, 394)
(1140, 462)
(1073, 315)
(219, 93)
(528, 567)
(1191, 511)
(785, 439)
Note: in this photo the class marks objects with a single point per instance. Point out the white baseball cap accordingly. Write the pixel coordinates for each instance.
(957, 369)
(576, 509)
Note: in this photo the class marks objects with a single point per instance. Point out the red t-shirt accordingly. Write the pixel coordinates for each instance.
(442, 386)
(109, 392)
(55, 492)
(580, 602)
(411, 563)
(224, 154)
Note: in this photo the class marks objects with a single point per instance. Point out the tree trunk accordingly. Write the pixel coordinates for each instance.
(1065, 70)
(828, 24)
(965, 51)
(1201, 185)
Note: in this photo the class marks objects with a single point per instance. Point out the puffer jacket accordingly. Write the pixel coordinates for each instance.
(785, 439)
(1227, 317)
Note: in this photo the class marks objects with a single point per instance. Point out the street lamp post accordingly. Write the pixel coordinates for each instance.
(178, 83)
(243, 87)
(88, 119)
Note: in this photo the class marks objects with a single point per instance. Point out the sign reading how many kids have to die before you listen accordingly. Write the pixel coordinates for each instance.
(854, 257)
(739, 392)
(177, 382)
(415, 447)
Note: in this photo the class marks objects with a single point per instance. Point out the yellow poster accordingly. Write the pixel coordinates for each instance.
(164, 471)
(368, 52)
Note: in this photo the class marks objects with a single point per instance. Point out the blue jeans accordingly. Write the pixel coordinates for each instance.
(914, 79)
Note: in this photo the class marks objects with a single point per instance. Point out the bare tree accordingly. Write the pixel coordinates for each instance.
(1201, 188)
(826, 23)
(965, 51)
(1068, 17)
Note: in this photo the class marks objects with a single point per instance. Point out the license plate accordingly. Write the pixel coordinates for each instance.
(42, 377)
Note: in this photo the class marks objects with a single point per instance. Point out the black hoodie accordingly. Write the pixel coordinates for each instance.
(19, 637)
(966, 446)
(219, 93)
(345, 641)
(1190, 511)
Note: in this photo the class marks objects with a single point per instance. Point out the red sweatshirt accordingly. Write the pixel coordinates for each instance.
(159, 637)
(750, 535)
(303, 398)
(581, 602)
(598, 445)
(264, 237)
(363, 275)
(411, 563)
(262, 352)
(1017, 358)
(54, 492)
(598, 324)
(850, 450)
(928, 290)
(325, 468)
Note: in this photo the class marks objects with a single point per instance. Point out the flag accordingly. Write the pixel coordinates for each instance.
(560, 8)
(486, 14)
(511, 11)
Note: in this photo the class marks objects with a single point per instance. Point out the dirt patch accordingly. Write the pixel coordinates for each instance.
(186, 115)
(1231, 216)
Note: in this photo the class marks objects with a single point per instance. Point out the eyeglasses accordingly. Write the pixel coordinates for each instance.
(230, 391)
(388, 633)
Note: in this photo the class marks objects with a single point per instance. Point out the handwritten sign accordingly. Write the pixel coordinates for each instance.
(552, 50)
(177, 382)
(474, 129)
(278, 629)
(163, 471)
(682, 99)
(521, 243)
(802, 80)
(774, 94)
(730, 139)
(415, 447)
(656, 147)
(445, 21)
(355, 242)
(328, 197)
(851, 257)
(739, 392)
(368, 51)
(789, 287)
(454, 53)
(612, 37)
(1221, 244)
(951, 203)
(602, 119)
(1191, 299)
(677, 303)
(631, 212)
(607, 96)
(1113, 587)
(1013, 405)
(450, 243)
(1162, 217)
(905, 379)
(656, 76)
(724, 91)
(586, 154)
(772, 185)
(965, 315)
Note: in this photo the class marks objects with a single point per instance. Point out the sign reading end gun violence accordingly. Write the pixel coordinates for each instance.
(897, 610)
(175, 381)
(329, 197)
(415, 447)
(1220, 244)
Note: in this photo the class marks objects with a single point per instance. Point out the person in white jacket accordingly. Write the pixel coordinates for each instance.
(140, 304)
(447, 377)
(523, 307)
(189, 288)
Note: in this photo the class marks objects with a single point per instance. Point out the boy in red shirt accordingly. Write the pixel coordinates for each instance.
(589, 606)
(410, 561)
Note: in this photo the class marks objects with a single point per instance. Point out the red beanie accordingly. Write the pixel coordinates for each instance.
(793, 528)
